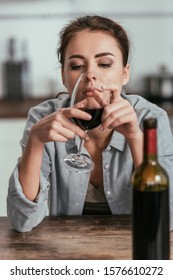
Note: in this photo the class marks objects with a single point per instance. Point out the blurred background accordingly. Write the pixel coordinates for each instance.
(29, 69)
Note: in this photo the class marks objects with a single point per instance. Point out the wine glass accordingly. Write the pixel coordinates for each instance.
(89, 95)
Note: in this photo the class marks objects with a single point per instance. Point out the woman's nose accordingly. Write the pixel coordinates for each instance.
(90, 77)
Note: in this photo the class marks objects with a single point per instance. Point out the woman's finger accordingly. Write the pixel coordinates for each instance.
(114, 112)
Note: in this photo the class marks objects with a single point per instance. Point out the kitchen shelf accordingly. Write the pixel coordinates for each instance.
(18, 108)
(165, 103)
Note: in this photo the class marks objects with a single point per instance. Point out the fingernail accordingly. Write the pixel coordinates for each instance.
(89, 117)
(101, 127)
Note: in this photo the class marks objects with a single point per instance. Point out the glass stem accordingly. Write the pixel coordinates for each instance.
(81, 145)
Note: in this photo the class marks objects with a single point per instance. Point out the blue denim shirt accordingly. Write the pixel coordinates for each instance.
(63, 192)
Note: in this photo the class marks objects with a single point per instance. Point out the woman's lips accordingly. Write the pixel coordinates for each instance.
(90, 91)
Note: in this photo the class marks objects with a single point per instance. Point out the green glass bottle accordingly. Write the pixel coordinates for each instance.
(150, 206)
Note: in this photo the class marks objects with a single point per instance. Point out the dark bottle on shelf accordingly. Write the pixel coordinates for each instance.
(25, 74)
(12, 70)
(150, 187)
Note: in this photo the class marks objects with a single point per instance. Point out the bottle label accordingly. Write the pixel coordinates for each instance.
(150, 141)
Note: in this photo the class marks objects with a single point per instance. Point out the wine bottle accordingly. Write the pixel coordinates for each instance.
(150, 202)
(12, 70)
(25, 73)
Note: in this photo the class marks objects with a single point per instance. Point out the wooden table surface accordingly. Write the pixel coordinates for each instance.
(70, 237)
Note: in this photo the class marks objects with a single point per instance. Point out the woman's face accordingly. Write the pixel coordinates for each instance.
(94, 52)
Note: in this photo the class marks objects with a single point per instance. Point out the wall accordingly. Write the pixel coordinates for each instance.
(149, 24)
(9, 153)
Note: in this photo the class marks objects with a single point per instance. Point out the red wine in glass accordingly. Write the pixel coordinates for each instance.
(94, 122)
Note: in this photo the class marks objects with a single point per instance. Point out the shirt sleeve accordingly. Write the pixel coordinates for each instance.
(23, 213)
(165, 154)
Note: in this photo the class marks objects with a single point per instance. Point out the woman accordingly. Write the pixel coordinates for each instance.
(87, 44)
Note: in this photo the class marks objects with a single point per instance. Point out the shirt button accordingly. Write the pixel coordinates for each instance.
(108, 192)
(106, 166)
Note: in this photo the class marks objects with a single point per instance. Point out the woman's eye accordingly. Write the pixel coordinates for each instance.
(105, 65)
(77, 67)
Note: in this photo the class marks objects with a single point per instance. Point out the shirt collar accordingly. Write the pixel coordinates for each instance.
(118, 141)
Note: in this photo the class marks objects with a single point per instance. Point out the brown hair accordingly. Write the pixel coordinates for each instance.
(93, 23)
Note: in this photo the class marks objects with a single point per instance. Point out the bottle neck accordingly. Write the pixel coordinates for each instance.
(150, 144)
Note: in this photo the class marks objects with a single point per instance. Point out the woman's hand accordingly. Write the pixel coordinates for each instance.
(118, 113)
(54, 127)
(121, 116)
(59, 127)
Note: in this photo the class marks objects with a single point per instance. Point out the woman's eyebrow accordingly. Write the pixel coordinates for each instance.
(104, 54)
(77, 56)
(97, 55)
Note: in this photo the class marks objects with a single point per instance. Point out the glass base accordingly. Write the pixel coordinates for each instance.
(78, 163)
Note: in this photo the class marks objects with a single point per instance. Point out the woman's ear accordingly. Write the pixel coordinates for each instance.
(126, 74)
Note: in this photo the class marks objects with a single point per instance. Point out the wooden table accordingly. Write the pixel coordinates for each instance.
(70, 237)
